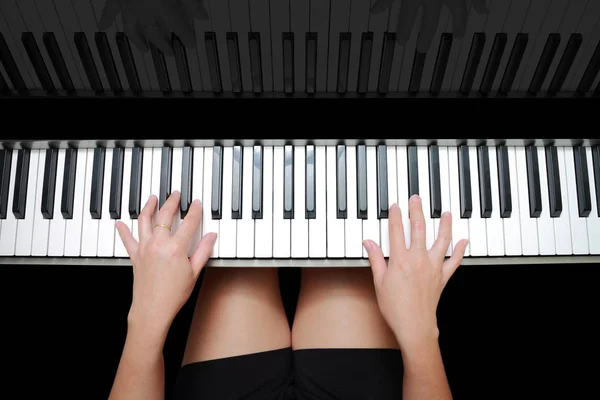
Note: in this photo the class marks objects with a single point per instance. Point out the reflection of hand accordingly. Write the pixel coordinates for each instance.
(153, 21)
(407, 16)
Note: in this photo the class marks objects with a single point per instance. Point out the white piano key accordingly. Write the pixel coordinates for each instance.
(8, 233)
(545, 224)
(156, 169)
(402, 162)
(227, 226)
(299, 227)
(432, 53)
(176, 169)
(494, 227)
(392, 198)
(147, 162)
(370, 226)
(317, 227)
(593, 220)
(512, 225)
(208, 223)
(197, 192)
(457, 44)
(73, 230)
(460, 226)
(377, 25)
(281, 227)
(562, 224)
(335, 227)
(340, 12)
(589, 27)
(445, 191)
(58, 224)
(260, 22)
(353, 225)
(423, 160)
(120, 250)
(239, 10)
(245, 226)
(264, 227)
(25, 226)
(529, 239)
(579, 234)
(89, 231)
(408, 51)
(358, 23)
(41, 226)
(396, 69)
(477, 230)
(300, 22)
(106, 227)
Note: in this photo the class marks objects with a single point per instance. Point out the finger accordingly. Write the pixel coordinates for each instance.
(407, 17)
(133, 32)
(480, 6)
(451, 264)
(178, 23)
(396, 232)
(111, 9)
(196, 8)
(131, 245)
(157, 37)
(417, 224)
(376, 259)
(202, 253)
(145, 219)
(381, 6)
(191, 222)
(167, 212)
(429, 26)
(459, 18)
(440, 247)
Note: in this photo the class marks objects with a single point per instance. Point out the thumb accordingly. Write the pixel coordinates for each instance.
(203, 252)
(376, 259)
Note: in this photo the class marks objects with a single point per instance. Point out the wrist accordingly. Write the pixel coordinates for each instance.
(145, 334)
(420, 350)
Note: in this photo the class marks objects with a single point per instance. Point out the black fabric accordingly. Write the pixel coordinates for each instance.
(309, 374)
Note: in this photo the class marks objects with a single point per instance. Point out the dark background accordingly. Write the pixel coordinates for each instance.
(524, 331)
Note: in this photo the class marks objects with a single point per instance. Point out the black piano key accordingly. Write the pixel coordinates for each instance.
(187, 180)
(4, 88)
(288, 62)
(35, 56)
(533, 182)
(116, 183)
(97, 183)
(310, 188)
(583, 182)
(181, 61)
(128, 64)
(435, 189)
(311, 62)
(544, 63)
(504, 182)
(87, 60)
(364, 66)
(257, 183)
(590, 72)
(288, 183)
(255, 61)
(5, 167)
(343, 62)
(382, 182)
(413, 171)
(49, 185)
(565, 63)
(472, 62)
(485, 186)
(553, 173)
(236, 183)
(441, 62)
(108, 62)
(12, 70)
(361, 182)
(212, 55)
(135, 188)
(216, 200)
(166, 172)
(68, 189)
(514, 61)
(160, 67)
(416, 72)
(341, 184)
(21, 178)
(491, 69)
(387, 58)
(464, 179)
(596, 164)
(58, 62)
(235, 67)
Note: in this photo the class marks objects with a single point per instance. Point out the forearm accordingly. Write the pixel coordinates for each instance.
(140, 374)
(424, 374)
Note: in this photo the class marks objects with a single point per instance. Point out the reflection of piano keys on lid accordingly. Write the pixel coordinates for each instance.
(304, 205)
(331, 47)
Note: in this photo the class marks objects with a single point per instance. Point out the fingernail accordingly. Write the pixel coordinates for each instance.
(196, 202)
(415, 198)
(368, 244)
(447, 213)
(213, 237)
(394, 206)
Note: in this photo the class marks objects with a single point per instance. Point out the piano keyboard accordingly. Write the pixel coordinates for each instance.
(298, 48)
(304, 205)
